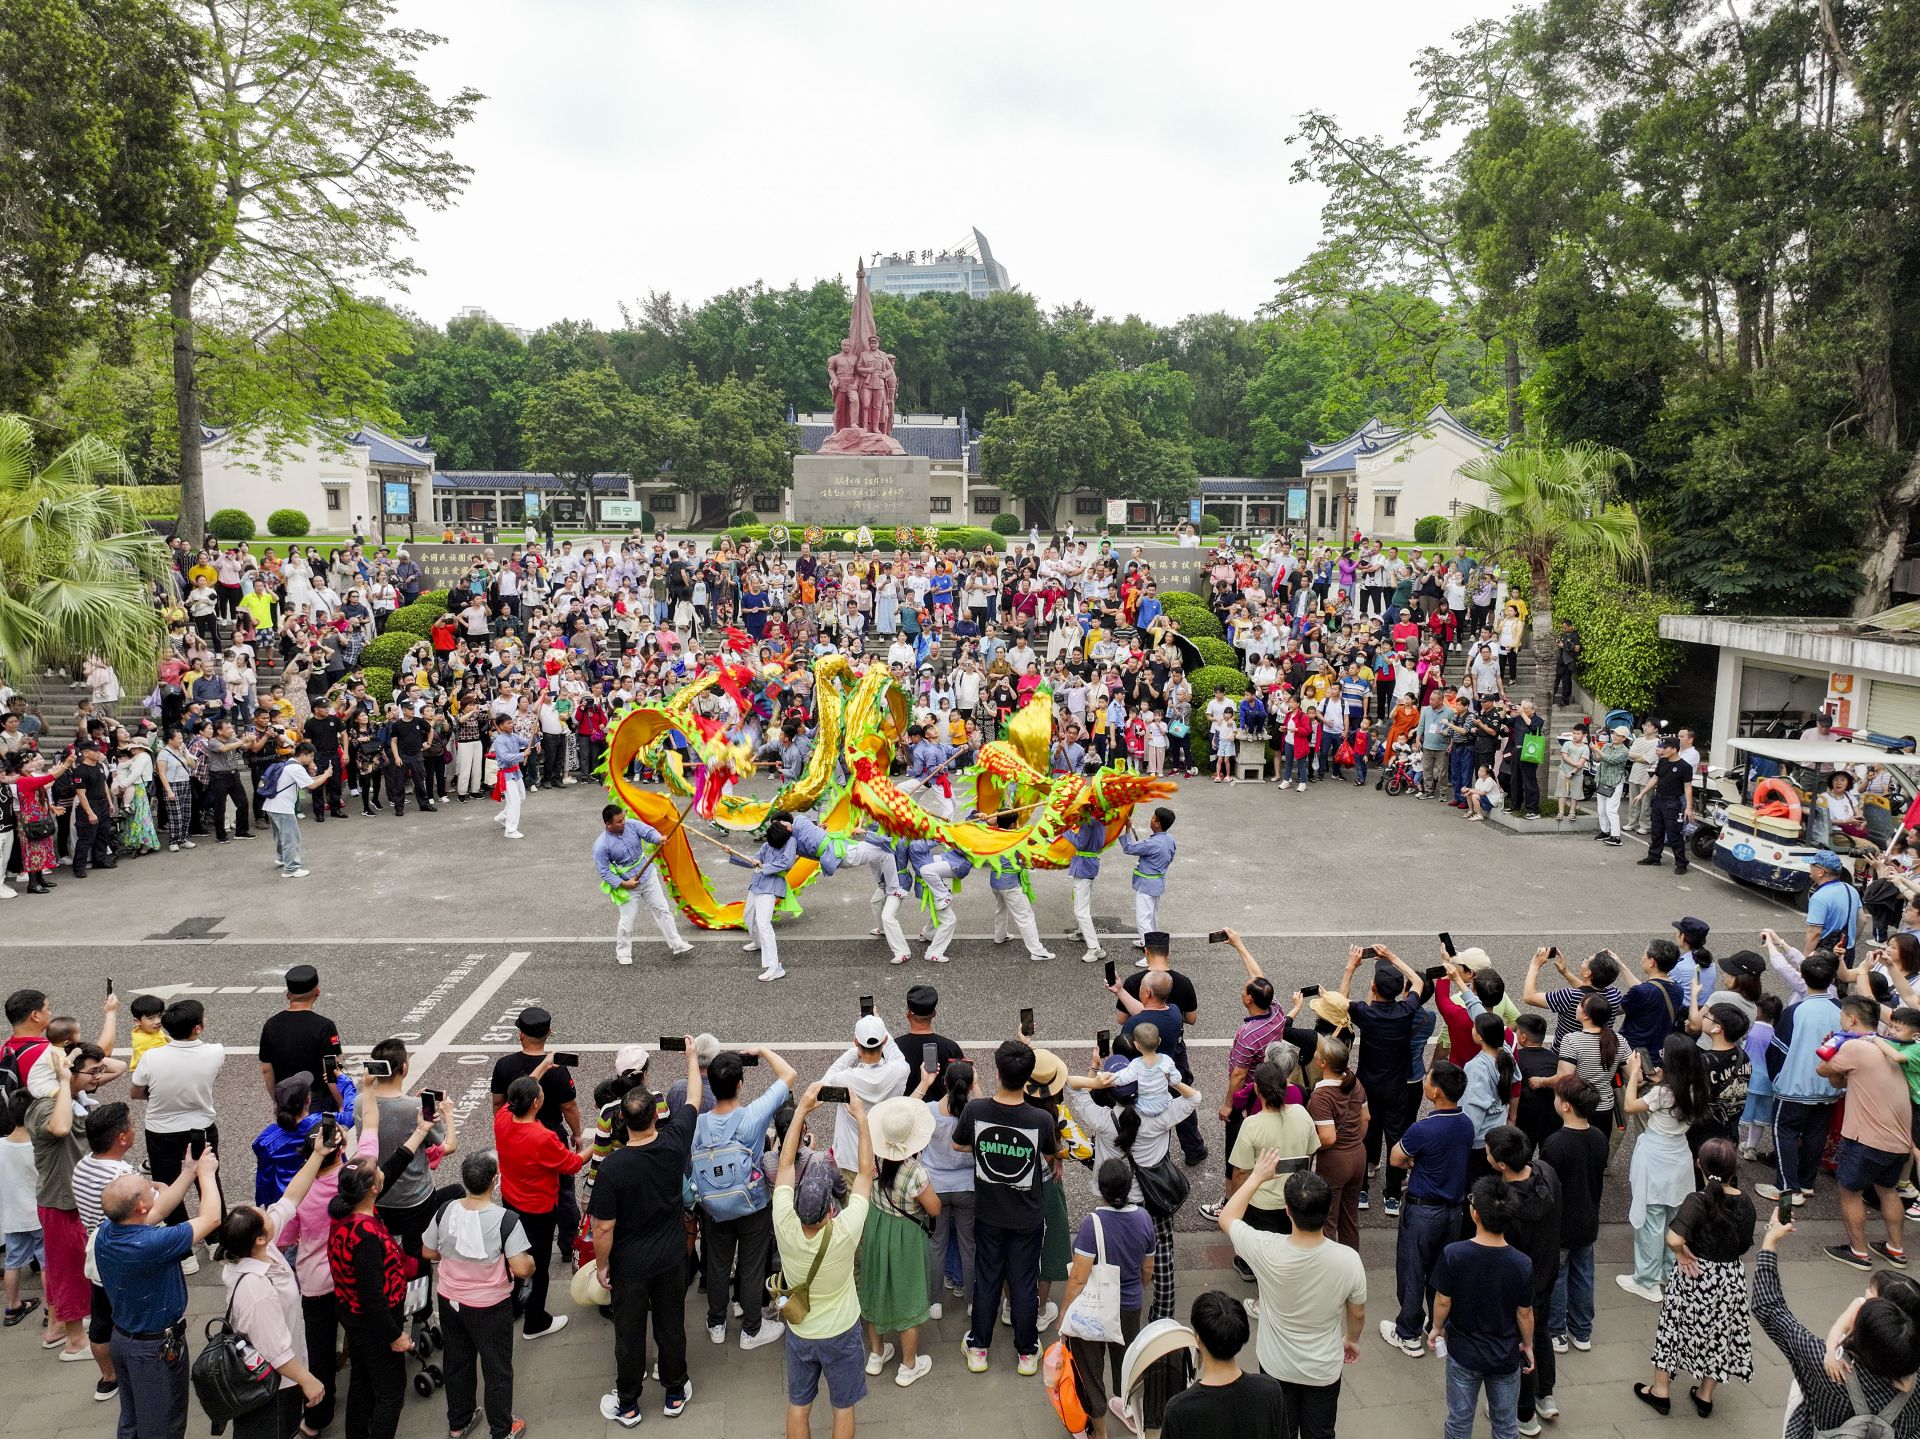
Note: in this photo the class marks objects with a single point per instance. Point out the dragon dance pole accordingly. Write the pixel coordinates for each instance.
(667, 836)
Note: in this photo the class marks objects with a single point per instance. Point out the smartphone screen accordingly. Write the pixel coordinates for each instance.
(566, 1061)
(866, 1005)
(1113, 975)
(379, 1069)
(669, 1044)
(1446, 943)
(1218, 936)
(930, 1057)
(747, 1061)
(1026, 1022)
(109, 984)
(1308, 991)
(1553, 951)
(1435, 971)
(1104, 1042)
(330, 1066)
(429, 1106)
(1785, 1209)
(329, 1131)
(833, 1094)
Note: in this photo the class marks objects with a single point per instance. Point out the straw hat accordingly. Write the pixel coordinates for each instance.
(587, 1288)
(900, 1127)
(1331, 1006)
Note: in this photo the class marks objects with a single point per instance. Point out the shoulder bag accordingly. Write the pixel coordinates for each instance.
(792, 1301)
(1163, 1188)
(229, 1376)
(1094, 1314)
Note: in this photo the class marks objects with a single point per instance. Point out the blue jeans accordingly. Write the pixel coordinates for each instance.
(1425, 1230)
(1463, 1397)
(1459, 771)
(1292, 769)
(286, 839)
(1572, 1308)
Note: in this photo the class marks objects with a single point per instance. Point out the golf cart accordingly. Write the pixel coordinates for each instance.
(1772, 827)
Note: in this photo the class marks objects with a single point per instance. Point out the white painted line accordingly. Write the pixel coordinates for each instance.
(805, 1046)
(421, 1059)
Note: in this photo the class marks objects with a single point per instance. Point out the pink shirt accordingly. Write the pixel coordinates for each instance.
(309, 1228)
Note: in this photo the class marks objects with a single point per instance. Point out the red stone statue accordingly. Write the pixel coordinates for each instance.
(864, 385)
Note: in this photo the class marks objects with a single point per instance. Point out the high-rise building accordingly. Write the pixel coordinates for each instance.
(966, 269)
(479, 312)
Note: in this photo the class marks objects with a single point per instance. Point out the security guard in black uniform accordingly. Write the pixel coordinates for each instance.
(1670, 784)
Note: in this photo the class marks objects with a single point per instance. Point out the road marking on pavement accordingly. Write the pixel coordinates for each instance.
(443, 1038)
(419, 1059)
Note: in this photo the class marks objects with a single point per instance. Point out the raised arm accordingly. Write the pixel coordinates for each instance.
(1247, 961)
(1531, 994)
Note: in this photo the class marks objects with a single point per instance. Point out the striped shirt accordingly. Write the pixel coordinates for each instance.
(1251, 1039)
(91, 1176)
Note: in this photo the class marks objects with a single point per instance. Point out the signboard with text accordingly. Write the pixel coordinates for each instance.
(1116, 512)
(530, 504)
(623, 512)
(884, 491)
(1193, 512)
(399, 499)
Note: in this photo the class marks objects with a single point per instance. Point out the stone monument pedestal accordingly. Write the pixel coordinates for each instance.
(846, 491)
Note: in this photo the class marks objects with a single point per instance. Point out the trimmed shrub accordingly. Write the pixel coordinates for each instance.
(436, 600)
(1429, 529)
(152, 502)
(1181, 599)
(1216, 652)
(739, 517)
(287, 523)
(1005, 525)
(1217, 679)
(388, 649)
(965, 537)
(647, 522)
(230, 525)
(415, 620)
(1209, 524)
(1196, 623)
(379, 683)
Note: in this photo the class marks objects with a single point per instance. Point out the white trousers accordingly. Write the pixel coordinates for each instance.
(760, 928)
(946, 919)
(1013, 904)
(1083, 913)
(469, 759)
(1146, 913)
(1609, 809)
(651, 894)
(888, 895)
(516, 795)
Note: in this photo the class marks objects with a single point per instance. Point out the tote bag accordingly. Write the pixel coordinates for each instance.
(1095, 1313)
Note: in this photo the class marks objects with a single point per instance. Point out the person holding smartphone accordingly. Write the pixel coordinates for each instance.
(1384, 1021)
(177, 1081)
(735, 1201)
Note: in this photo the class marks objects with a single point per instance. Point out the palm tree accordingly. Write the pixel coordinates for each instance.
(77, 565)
(1544, 502)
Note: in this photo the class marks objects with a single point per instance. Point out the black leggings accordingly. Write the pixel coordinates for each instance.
(376, 1383)
(321, 1314)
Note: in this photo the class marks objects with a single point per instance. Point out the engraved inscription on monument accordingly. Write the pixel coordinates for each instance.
(878, 490)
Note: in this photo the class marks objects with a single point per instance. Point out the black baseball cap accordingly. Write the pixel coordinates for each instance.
(534, 1022)
(303, 979)
(922, 1000)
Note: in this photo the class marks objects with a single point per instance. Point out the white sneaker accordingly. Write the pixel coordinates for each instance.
(717, 1333)
(877, 1362)
(750, 947)
(294, 873)
(770, 1330)
(1412, 1348)
(921, 1367)
(7, 891)
(515, 834)
(1652, 1293)
(624, 958)
(999, 939)
(186, 844)
(173, 849)
(772, 974)
(1302, 786)
(1140, 963)
(936, 1311)
(499, 819)
(1093, 956)
(1048, 1315)
(1043, 954)
(190, 1265)
(681, 948)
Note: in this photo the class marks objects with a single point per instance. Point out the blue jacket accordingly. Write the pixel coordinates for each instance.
(1152, 857)
(1087, 843)
(1791, 1057)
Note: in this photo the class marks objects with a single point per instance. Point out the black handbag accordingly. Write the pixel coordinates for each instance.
(1163, 1188)
(229, 1376)
(38, 830)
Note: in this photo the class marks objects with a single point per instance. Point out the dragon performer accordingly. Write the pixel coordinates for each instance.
(1026, 817)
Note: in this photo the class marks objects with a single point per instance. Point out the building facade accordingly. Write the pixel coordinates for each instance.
(363, 474)
(1382, 478)
(970, 269)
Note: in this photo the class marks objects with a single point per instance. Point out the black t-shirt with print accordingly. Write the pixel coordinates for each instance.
(1010, 1143)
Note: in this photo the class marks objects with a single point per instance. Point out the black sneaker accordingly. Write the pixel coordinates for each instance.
(1243, 1269)
(105, 1389)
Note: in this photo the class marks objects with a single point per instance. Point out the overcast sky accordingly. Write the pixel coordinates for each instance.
(1130, 155)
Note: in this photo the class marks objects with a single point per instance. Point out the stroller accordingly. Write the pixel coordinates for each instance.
(424, 1326)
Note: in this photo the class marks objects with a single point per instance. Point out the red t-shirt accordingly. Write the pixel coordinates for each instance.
(532, 1159)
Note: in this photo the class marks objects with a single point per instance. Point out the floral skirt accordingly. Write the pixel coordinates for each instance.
(1704, 1328)
(137, 834)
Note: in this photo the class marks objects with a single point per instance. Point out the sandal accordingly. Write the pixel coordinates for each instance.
(1702, 1407)
(25, 1307)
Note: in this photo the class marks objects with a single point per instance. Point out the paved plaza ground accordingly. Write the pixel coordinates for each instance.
(434, 927)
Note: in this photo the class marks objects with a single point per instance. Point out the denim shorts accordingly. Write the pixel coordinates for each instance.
(1858, 1167)
(24, 1247)
(841, 1357)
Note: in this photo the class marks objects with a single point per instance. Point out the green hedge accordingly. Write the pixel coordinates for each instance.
(152, 502)
(740, 517)
(230, 525)
(413, 620)
(286, 523)
(439, 601)
(1209, 524)
(1429, 529)
(1216, 652)
(1208, 681)
(1005, 525)
(1623, 660)
(966, 537)
(379, 683)
(1196, 623)
(389, 649)
(1182, 600)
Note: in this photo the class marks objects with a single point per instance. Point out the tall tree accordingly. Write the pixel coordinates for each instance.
(315, 138)
(580, 424)
(465, 391)
(722, 443)
(1544, 503)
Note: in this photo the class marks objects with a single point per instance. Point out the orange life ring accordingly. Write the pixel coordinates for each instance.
(1776, 799)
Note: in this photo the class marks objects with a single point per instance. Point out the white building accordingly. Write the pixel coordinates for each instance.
(967, 269)
(1776, 674)
(1382, 478)
(366, 474)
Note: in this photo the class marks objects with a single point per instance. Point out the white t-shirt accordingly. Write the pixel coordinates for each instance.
(178, 1077)
(1304, 1294)
(293, 779)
